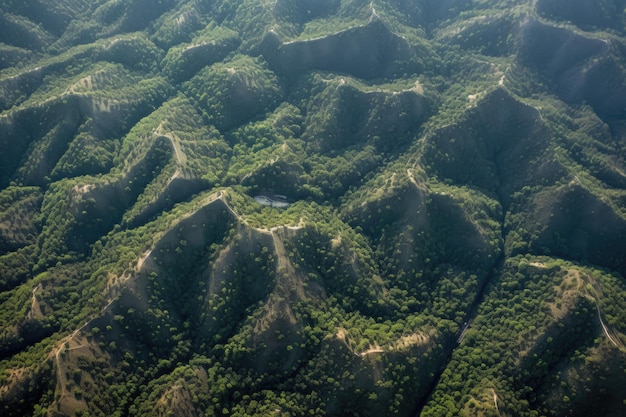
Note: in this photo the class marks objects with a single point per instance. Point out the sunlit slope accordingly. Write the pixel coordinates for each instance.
(455, 237)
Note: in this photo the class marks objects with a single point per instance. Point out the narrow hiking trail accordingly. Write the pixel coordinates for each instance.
(595, 294)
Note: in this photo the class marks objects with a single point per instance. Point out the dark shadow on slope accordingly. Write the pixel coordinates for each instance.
(344, 115)
(573, 223)
(100, 208)
(499, 146)
(130, 16)
(581, 68)
(555, 350)
(587, 14)
(302, 11)
(368, 51)
(18, 135)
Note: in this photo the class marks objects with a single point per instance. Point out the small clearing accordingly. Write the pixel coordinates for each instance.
(372, 350)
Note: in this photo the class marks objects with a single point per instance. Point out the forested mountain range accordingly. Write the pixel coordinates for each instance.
(454, 244)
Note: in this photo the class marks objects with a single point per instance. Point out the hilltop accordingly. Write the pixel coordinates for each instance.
(451, 242)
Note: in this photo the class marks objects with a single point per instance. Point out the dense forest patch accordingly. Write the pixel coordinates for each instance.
(453, 242)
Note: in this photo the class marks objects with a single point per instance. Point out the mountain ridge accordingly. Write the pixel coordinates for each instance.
(453, 241)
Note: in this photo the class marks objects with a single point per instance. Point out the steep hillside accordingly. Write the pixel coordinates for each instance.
(452, 233)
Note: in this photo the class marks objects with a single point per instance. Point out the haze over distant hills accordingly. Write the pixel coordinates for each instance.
(454, 244)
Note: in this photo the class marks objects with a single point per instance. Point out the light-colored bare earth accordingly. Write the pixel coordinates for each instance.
(82, 189)
(372, 350)
(419, 185)
(418, 88)
(291, 280)
(495, 401)
(14, 376)
(403, 343)
(567, 292)
(35, 307)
